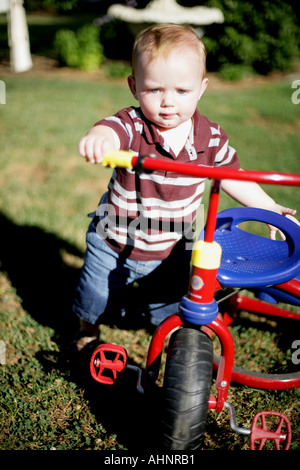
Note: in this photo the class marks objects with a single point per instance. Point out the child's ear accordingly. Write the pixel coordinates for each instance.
(203, 86)
(132, 85)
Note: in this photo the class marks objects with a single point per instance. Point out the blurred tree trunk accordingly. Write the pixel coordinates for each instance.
(20, 57)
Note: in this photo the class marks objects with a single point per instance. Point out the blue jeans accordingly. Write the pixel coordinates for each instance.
(113, 287)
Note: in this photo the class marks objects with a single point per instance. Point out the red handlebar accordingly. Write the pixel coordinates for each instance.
(126, 159)
(150, 163)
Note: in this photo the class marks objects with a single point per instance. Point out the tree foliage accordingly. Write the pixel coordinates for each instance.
(256, 36)
(260, 34)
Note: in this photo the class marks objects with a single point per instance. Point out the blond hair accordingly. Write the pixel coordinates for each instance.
(161, 39)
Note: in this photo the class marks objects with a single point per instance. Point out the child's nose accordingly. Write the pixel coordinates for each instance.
(167, 99)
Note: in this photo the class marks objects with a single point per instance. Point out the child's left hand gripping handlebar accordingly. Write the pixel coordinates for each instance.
(118, 158)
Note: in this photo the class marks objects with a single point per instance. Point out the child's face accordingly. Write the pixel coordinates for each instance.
(168, 88)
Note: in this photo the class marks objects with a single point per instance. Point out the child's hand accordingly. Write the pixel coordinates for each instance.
(287, 212)
(93, 148)
(97, 143)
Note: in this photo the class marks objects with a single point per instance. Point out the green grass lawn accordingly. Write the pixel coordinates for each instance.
(46, 192)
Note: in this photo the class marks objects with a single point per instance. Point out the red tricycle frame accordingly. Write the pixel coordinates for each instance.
(225, 366)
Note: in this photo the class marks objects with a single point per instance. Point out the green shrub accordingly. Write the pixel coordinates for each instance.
(66, 47)
(118, 69)
(258, 33)
(234, 72)
(82, 49)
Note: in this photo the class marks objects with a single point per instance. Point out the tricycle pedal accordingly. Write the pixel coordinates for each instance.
(261, 432)
(108, 363)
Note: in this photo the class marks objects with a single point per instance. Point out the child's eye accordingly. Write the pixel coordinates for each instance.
(181, 92)
(154, 90)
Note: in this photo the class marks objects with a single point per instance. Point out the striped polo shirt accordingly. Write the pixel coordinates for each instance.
(144, 216)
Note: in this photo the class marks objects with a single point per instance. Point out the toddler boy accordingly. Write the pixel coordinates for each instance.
(139, 232)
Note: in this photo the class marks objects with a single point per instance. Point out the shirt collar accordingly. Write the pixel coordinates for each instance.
(153, 136)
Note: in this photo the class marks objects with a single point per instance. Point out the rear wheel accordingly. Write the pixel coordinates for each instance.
(186, 389)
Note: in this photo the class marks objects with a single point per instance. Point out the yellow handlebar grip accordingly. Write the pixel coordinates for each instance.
(118, 158)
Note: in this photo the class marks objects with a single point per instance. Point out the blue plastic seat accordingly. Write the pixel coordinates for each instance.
(250, 260)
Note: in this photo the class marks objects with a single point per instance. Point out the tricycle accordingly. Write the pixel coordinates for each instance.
(226, 260)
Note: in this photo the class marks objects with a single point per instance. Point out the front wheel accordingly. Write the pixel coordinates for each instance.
(186, 389)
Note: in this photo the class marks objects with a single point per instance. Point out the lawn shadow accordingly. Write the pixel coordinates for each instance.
(132, 416)
(34, 261)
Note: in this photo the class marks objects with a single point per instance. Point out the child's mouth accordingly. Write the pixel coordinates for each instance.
(168, 115)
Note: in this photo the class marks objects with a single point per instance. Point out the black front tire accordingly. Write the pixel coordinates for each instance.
(186, 390)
